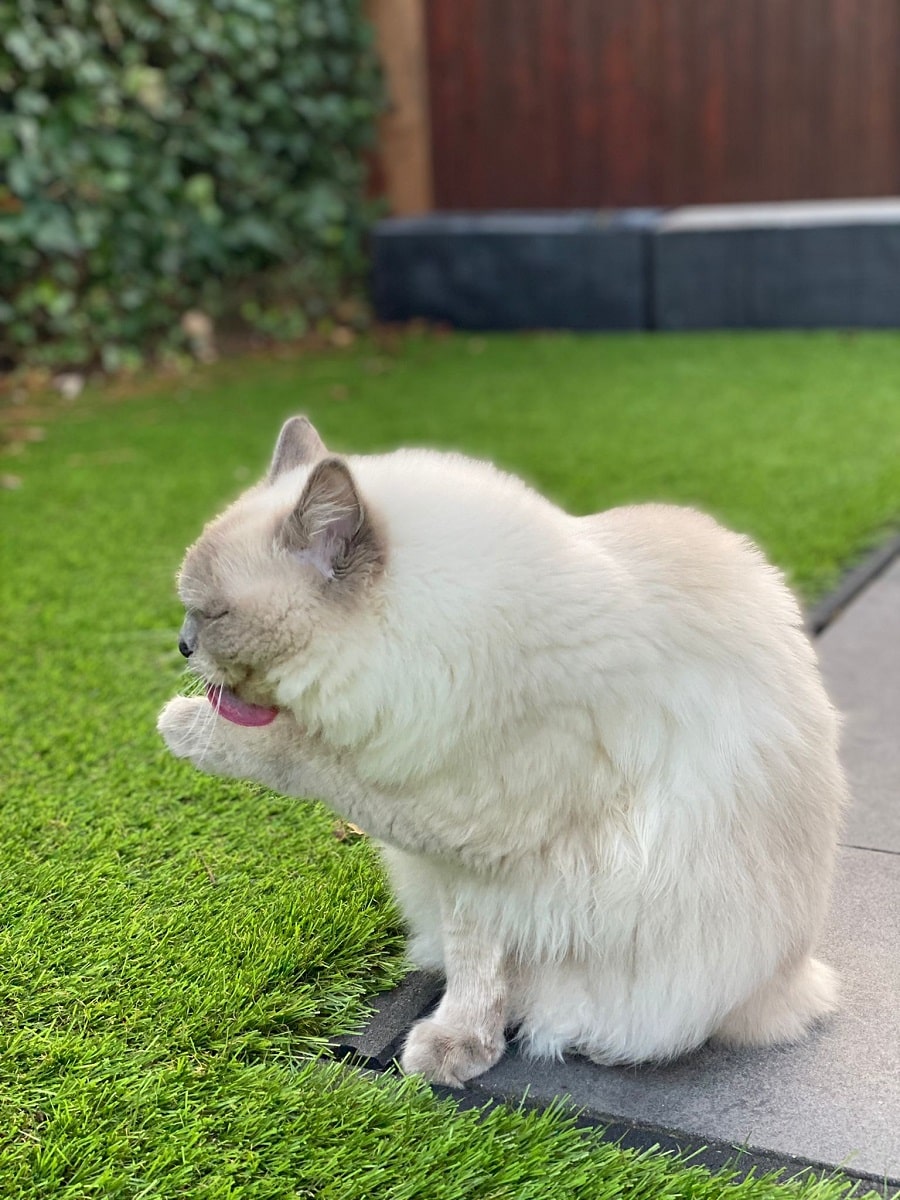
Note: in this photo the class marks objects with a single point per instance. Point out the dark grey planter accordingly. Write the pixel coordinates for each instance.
(492, 271)
(779, 266)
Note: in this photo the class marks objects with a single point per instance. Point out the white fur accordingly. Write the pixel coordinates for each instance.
(597, 753)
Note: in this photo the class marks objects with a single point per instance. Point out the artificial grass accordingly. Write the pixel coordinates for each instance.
(177, 949)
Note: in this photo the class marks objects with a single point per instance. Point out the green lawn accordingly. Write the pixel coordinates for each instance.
(176, 950)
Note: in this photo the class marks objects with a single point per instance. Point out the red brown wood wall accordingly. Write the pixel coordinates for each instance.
(608, 103)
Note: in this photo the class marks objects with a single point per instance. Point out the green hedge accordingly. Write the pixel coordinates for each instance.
(161, 155)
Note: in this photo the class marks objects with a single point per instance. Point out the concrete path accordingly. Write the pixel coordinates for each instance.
(833, 1101)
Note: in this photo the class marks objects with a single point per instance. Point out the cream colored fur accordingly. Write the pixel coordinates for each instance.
(596, 751)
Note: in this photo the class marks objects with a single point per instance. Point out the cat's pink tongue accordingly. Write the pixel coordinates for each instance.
(239, 712)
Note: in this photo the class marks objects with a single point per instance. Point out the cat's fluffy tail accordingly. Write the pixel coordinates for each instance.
(783, 1008)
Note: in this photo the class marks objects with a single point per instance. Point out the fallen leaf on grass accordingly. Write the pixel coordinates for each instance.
(342, 337)
(346, 830)
(18, 435)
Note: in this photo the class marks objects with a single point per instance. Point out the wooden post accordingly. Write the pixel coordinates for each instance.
(404, 132)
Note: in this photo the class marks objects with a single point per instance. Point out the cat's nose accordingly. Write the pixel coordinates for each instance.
(187, 636)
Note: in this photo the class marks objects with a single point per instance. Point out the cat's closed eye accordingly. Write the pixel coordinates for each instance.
(213, 616)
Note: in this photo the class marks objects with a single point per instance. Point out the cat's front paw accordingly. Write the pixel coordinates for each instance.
(446, 1055)
(186, 724)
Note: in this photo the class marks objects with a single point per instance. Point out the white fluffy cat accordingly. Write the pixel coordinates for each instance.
(596, 751)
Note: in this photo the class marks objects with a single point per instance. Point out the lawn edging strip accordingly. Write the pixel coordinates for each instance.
(853, 583)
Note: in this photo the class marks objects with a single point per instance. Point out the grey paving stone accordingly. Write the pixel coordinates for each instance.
(813, 265)
(832, 1101)
(488, 271)
(860, 657)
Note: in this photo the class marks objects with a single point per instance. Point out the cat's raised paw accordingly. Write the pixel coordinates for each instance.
(447, 1055)
(184, 724)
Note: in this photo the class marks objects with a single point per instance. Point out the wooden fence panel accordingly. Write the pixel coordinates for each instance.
(568, 103)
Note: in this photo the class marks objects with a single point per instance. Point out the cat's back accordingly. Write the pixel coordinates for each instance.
(721, 630)
(679, 557)
(415, 480)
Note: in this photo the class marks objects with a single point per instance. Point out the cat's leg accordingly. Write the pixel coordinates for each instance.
(413, 885)
(783, 1008)
(464, 1037)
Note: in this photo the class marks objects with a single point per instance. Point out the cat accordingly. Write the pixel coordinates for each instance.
(595, 752)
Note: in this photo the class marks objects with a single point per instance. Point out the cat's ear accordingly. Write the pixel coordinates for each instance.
(298, 444)
(329, 527)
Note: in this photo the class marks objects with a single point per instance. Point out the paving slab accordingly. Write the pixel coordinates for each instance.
(860, 657)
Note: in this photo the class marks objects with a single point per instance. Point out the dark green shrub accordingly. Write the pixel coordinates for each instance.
(159, 155)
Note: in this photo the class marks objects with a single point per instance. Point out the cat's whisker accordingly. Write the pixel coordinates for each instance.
(210, 733)
(210, 714)
(209, 729)
(195, 685)
(203, 715)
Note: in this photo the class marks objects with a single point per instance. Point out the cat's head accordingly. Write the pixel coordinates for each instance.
(280, 572)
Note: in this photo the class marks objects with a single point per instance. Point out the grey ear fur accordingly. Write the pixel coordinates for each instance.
(329, 527)
(298, 444)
